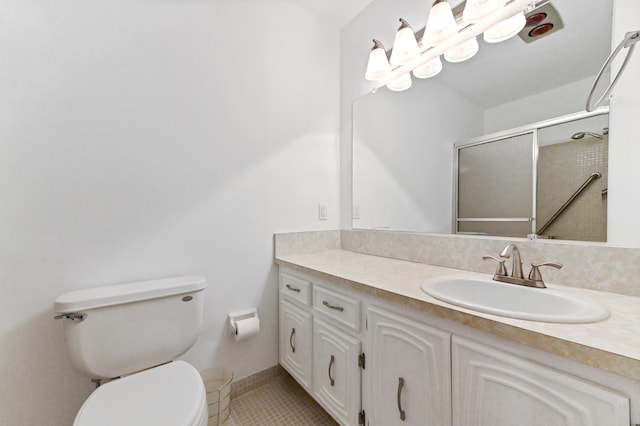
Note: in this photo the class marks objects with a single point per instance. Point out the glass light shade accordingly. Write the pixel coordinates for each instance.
(475, 10)
(430, 69)
(405, 46)
(440, 24)
(401, 83)
(463, 51)
(378, 65)
(506, 29)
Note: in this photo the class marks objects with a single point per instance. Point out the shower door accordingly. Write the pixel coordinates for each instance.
(496, 186)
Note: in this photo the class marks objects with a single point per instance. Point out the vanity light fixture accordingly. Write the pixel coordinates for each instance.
(401, 83)
(378, 65)
(475, 10)
(463, 51)
(441, 24)
(430, 69)
(405, 45)
(506, 29)
(498, 19)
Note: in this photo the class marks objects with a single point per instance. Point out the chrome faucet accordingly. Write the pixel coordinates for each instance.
(516, 262)
(517, 277)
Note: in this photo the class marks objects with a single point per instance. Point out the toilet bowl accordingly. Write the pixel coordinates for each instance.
(170, 395)
(134, 332)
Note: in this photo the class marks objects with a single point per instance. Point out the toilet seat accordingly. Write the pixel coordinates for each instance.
(169, 395)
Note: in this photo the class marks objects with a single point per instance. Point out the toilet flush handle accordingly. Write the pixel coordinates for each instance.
(76, 316)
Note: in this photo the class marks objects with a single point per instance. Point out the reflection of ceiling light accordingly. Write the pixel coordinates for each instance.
(405, 46)
(506, 29)
(475, 10)
(535, 19)
(401, 83)
(540, 30)
(430, 69)
(378, 65)
(462, 52)
(441, 24)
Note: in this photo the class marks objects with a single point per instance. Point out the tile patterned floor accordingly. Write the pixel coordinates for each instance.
(278, 403)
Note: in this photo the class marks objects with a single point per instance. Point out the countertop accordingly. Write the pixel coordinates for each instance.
(612, 345)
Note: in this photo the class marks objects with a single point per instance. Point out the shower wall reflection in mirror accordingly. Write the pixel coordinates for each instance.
(403, 143)
(549, 179)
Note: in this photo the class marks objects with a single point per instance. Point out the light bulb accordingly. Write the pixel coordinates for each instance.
(401, 83)
(505, 29)
(430, 69)
(463, 51)
(440, 24)
(475, 10)
(405, 46)
(378, 65)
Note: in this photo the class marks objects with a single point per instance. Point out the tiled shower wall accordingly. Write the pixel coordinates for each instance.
(594, 266)
(562, 168)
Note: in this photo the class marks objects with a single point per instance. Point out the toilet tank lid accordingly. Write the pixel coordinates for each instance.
(126, 293)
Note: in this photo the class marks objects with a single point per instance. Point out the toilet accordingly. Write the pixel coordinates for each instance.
(131, 334)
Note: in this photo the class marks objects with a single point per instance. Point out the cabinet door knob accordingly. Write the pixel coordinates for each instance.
(400, 387)
(293, 348)
(331, 361)
(292, 288)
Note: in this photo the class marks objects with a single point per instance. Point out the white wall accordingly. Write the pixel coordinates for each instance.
(403, 157)
(143, 139)
(623, 226)
(552, 103)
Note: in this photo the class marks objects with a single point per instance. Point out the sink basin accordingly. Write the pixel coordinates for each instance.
(515, 301)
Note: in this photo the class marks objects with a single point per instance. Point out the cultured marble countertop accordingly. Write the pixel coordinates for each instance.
(612, 345)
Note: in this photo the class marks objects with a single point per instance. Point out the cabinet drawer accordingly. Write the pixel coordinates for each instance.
(344, 309)
(295, 288)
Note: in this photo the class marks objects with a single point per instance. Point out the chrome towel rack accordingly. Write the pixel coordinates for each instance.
(628, 42)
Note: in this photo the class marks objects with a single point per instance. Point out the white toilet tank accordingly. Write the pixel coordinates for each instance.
(117, 330)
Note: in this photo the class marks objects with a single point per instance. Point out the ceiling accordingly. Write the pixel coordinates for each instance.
(337, 12)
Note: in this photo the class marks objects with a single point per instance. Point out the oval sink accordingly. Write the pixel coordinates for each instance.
(515, 301)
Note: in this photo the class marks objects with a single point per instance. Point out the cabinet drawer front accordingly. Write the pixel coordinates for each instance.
(343, 309)
(295, 288)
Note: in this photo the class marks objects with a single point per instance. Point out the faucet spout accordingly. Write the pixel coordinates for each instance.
(516, 262)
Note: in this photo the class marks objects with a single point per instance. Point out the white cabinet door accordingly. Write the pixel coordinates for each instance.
(336, 374)
(409, 370)
(296, 337)
(493, 388)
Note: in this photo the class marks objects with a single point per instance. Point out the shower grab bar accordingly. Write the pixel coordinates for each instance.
(494, 219)
(629, 41)
(593, 176)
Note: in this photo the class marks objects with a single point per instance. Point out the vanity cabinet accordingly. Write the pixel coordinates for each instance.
(495, 388)
(369, 361)
(410, 371)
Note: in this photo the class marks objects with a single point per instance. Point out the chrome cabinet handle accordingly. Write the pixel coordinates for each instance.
(328, 305)
(400, 386)
(333, 359)
(292, 288)
(293, 348)
(76, 317)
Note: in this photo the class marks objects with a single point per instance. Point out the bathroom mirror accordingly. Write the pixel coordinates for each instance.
(403, 141)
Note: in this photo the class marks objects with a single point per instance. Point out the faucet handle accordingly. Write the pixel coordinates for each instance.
(501, 269)
(535, 274)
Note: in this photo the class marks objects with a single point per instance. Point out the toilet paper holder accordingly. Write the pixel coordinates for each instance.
(234, 317)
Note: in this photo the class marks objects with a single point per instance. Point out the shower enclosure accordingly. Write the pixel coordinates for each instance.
(548, 179)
